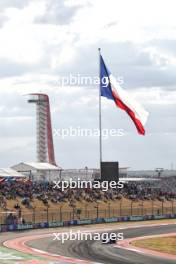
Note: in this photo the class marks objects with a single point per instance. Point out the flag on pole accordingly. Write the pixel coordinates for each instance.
(111, 89)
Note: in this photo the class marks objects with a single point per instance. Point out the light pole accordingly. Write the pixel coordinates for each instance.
(131, 208)
(109, 209)
(97, 207)
(162, 207)
(120, 208)
(60, 174)
(86, 205)
(142, 207)
(172, 206)
(34, 215)
(159, 171)
(47, 214)
(152, 207)
(61, 213)
(86, 168)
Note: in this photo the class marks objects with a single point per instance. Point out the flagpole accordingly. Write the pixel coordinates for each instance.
(100, 134)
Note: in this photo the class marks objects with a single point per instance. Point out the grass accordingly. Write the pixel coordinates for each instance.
(161, 244)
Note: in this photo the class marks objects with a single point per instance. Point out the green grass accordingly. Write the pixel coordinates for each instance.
(161, 244)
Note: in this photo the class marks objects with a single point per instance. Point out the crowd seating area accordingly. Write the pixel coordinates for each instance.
(20, 199)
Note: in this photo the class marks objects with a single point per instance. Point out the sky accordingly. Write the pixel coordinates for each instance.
(44, 41)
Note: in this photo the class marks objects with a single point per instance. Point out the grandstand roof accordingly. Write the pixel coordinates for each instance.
(137, 179)
(36, 166)
(8, 172)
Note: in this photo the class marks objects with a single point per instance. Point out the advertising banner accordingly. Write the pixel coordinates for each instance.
(159, 216)
(111, 220)
(44, 225)
(136, 218)
(55, 224)
(84, 222)
(23, 227)
(12, 227)
(4, 228)
(67, 223)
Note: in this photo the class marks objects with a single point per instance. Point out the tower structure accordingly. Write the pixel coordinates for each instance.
(45, 147)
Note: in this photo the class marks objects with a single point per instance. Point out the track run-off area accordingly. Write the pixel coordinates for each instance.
(38, 246)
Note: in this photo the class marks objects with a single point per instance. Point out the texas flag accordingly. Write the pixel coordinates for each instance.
(111, 89)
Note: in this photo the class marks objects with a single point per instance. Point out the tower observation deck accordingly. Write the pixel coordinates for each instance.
(45, 147)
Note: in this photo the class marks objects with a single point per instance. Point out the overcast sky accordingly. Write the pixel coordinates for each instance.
(44, 40)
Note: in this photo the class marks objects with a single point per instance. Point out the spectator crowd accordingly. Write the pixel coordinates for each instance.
(164, 189)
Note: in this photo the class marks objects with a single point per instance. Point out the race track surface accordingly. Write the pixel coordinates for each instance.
(96, 252)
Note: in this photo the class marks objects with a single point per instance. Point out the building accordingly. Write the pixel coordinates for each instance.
(75, 174)
(10, 173)
(38, 171)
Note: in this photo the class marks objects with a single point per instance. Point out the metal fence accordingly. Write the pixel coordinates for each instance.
(38, 215)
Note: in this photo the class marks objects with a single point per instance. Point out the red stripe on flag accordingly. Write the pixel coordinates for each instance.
(136, 121)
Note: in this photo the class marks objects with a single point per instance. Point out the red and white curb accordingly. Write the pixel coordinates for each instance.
(19, 243)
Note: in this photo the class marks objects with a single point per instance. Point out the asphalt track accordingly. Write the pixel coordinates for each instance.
(96, 252)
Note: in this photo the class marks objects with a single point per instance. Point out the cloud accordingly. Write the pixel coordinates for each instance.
(13, 3)
(10, 68)
(57, 13)
(3, 19)
(138, 66)
(4, 4)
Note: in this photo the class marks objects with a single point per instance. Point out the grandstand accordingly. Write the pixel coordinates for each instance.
(38, 171)
(10, 173)
(36, 202)
(151, 173)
